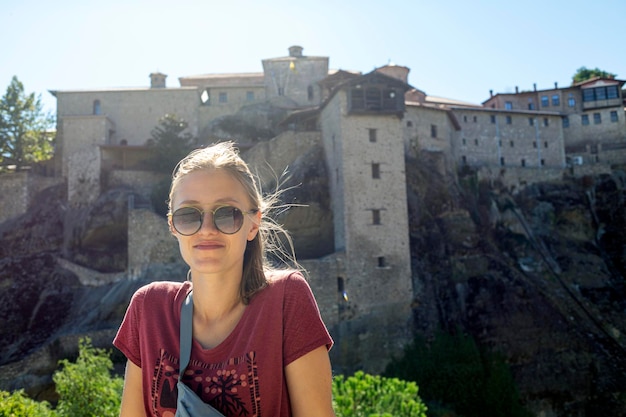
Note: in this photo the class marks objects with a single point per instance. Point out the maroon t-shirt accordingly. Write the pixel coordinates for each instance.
(242, 376)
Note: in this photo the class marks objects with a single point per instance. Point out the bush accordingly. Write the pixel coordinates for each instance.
(86, 387)
(17, 404)
(363, 395)
(453, 373)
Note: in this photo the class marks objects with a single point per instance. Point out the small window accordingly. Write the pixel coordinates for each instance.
(464, 142)
(493, 118)
(382, 262)
(565, 122)
(613, 116)
(512, 144)
(585, 119)
(545, 144)
(249, 95)
(531, 121)
(375, 170)
(571, 101)
(597, 118)
(372, 135)
(543, 162)
(475, 119)
(409, 123)
(223, 98)
(502, 161)
(509, 120)
(546, 122)
(600, 93)
(465, 119)
(588, 95)
(375, 216)
(544, 101)
(523, 162)
(464, 159)
(96, 107)
(556, 100)
(612, 92)
(476, 142)
(508, 105)
(535, 144)
(433, 131)
(531, 104)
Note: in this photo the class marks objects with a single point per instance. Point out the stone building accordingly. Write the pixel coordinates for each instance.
(367, 125)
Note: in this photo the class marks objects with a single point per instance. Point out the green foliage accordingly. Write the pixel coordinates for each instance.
(452, 371)
(23, 127)
(17, 404)
(584, 73)
(170, 143)
(364, 395)
(86, 387)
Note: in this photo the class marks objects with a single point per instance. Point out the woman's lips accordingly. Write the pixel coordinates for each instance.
(207, 245)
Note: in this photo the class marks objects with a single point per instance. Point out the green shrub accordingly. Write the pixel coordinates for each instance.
(17, 404)
(364, 395)
(452, 372)
(86, 387)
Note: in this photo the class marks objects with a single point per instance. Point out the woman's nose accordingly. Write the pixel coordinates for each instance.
(207, 224)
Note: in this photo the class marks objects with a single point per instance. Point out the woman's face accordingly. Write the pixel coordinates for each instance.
(209, 251)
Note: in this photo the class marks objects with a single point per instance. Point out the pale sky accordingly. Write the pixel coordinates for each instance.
(456, 49)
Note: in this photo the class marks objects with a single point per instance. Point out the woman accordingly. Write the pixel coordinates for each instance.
(259, 345)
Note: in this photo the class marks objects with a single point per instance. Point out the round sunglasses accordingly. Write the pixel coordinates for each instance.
(227, 219)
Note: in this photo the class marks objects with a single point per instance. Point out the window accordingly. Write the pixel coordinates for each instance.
(476, 142)
(509, 120)
(613, 116)
(545, 144)
(565, 122)
(382, 263)
(372, 135)
(543, 162)
(597, 118)
(475, 119)
(546, 122)
(585, 119)
(523, 162)
(464, 142)
(375, 170)
(508, 105)
(223, 98)
(375, 216)
(96, 107)
(409, 123)
(464, 159)
(531, 104)
(502, 161)
(373, 98)
(571, 101)
(465, 119)
(600, 93)
(310, 93)
(544, 101)
(493, 118)
(512, 144)
(531, 121)
(612, 92)
(249, 95)
(535, 144)
(588, 95)
(433, 131)
(556, 100)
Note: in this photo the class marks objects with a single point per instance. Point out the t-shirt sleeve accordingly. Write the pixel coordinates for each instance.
(303, 326)
(127, 338)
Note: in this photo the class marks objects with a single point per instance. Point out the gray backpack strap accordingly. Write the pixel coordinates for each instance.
(186, 328)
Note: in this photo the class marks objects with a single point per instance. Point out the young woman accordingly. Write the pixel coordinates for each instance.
(259, 345)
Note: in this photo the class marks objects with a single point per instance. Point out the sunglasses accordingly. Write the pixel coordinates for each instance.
(226, 219)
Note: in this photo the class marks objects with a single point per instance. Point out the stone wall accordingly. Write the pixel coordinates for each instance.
(18, 190)
(141, 182)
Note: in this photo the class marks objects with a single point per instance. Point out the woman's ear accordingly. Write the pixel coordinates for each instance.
(171, 226)
(254, 229)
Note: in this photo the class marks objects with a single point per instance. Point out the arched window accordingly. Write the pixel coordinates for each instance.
(96, 107)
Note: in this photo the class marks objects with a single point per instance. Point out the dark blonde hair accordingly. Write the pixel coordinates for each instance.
(224, 156)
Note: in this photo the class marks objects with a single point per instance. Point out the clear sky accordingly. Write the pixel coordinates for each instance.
(455, 48)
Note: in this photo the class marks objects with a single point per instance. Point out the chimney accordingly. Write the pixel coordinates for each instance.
(535, 86)
(556, 85)
(516, 90)
(157, 80)
(490, 93)
(295, 51)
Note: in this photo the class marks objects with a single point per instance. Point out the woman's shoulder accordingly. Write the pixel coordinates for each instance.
(160, 291)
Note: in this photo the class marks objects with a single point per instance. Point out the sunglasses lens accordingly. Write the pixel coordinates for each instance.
(187, 220)
(228, 220)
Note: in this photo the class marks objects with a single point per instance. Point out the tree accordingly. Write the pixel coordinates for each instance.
(24, 126)
(86, 387)
(170, 143)
(583, 74)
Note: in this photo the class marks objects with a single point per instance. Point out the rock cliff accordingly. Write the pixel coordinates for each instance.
(536, 274)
